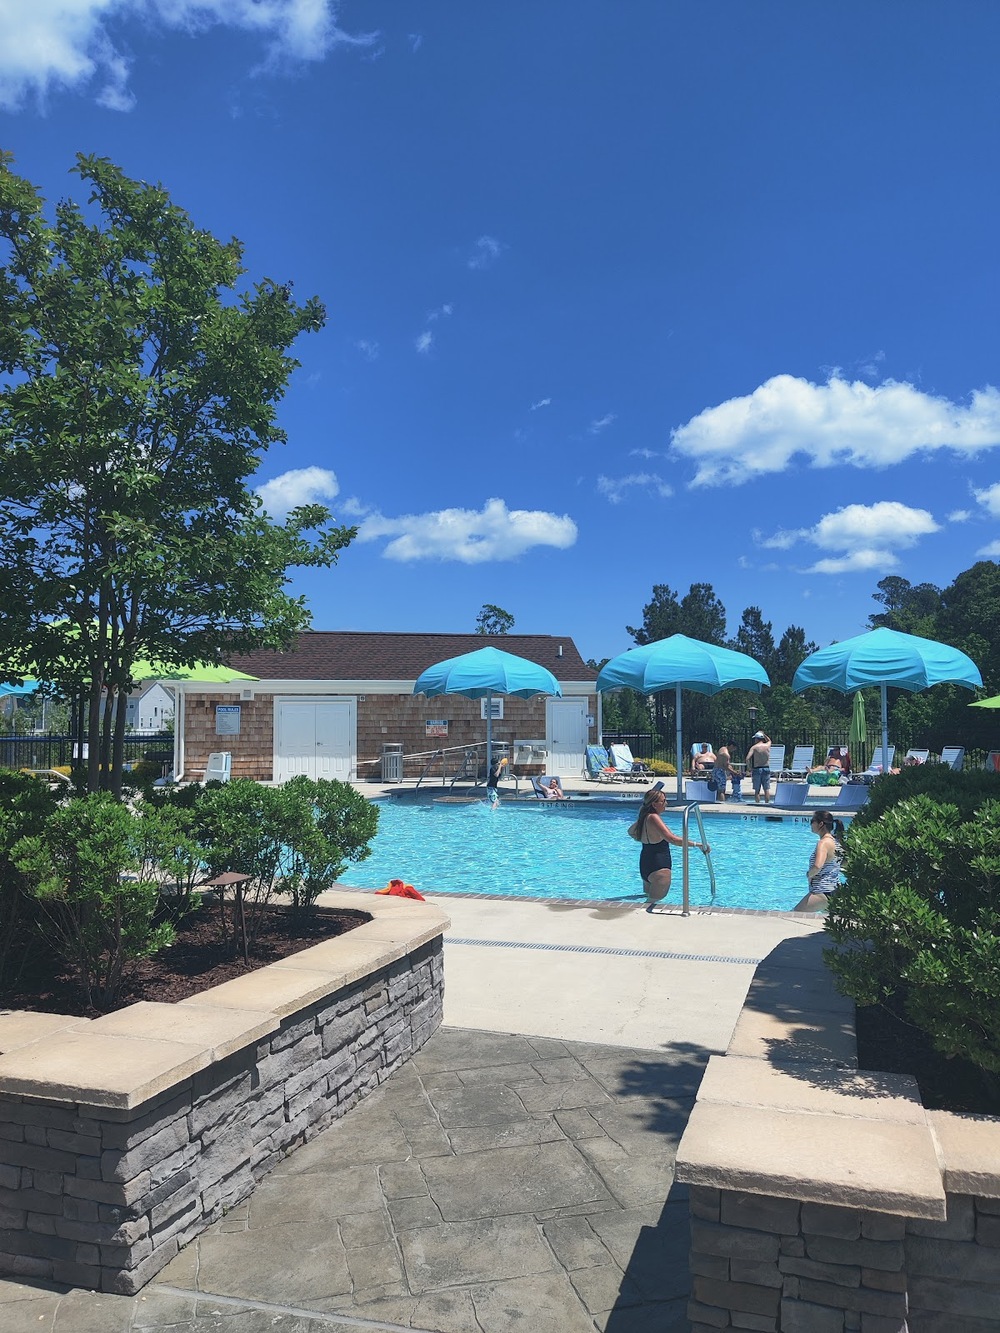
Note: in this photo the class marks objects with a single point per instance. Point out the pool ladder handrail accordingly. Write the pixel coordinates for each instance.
(686, 853)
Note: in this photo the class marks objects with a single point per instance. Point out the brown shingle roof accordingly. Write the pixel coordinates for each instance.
(360, 655)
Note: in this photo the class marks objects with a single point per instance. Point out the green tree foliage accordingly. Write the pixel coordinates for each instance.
(918, 920)
(792, 650)
(494, 620)
(25, 804)
(139, 383)
(912, 609)
(660, 617)
(756, 638)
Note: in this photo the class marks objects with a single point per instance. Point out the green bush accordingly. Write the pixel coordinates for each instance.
(660, 767)
(334, 824)
(918, 920)
(93, 870)
(25, 804)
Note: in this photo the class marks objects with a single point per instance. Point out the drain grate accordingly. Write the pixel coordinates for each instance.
(603, 949)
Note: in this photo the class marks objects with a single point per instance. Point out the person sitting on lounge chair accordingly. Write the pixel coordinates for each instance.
(704, 761)
(553, 791)
(829, 774)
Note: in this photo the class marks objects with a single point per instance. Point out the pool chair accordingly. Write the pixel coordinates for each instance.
(777, 760)
(542, 781)
(920, 756)
(842, 753)
(599, 766)
(953, 756)
(627, 768)
(695, 754)
(852, 797)
(790, 795)
(802, 761)
(877, 767)
(220, 767)
(993, 761)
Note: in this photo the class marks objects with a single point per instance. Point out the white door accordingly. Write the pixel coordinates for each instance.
(314, 738)
(566, 736)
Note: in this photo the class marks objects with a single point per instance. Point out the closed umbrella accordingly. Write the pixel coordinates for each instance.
(686, 664)
(483, 673)
(857, 737)
(887, 657)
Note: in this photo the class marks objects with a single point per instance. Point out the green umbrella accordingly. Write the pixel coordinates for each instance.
(211, 673)
(987, 703)
(857, 737)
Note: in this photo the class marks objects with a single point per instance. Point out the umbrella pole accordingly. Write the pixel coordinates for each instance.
(885, 729)
(489, 734)
(680, 757)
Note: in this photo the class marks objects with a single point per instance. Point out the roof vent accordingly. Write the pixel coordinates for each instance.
(559, 651)
(246, 694)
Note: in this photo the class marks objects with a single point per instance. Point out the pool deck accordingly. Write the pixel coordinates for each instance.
(517, 1174)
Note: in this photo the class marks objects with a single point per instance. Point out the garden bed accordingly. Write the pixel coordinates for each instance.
(198, 959)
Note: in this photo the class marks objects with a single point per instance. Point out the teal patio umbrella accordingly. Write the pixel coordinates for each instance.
(483, 673)
(887, 657)
(685, 664)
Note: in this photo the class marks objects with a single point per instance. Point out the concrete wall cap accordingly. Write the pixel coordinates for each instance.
(885, 1166)
(969, 1152)
(734, 1080)
(19, 1027)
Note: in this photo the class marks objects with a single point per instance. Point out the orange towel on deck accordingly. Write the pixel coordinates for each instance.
(400, 890)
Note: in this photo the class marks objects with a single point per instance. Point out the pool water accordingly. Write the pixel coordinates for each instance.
(571, 851)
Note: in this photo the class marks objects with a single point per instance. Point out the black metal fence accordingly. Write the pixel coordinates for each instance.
(57, 751)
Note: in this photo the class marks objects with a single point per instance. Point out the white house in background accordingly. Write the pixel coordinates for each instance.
(149, 708)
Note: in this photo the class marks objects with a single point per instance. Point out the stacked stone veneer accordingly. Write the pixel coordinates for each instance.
(381, 719)
(123, 1138)
(824, 1199)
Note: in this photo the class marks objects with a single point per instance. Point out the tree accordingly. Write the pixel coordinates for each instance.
(139, 383)
(702, 615)
(494, 620)
(791, 652)
(755, 638)
(660, 617)
(909, 608)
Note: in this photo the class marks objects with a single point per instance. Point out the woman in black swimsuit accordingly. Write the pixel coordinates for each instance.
(657, 839)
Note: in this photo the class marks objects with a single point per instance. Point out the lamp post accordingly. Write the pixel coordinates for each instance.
(752, 714)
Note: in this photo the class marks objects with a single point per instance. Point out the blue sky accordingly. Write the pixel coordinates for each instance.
(619, 294)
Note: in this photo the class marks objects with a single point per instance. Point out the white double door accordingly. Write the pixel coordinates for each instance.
(315, 737)
(566, 736)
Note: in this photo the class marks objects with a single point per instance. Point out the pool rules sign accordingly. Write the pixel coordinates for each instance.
(227, 719)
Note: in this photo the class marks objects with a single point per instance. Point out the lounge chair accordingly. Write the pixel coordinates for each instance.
(842, 753)
(921, 756)
(790, 795)
(629, 769)
(777, 760)
(599, 766)
(993, 761)
(695, 754)
(541, 782)
(953, 756)
(852, 797)
(802, 761)
(220, 767)
(878, 766)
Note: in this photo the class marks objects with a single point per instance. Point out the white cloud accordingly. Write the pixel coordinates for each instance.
(615, 487)
(49, 46)
(644, 453)
(442, 312)
(416, 41)
(863, 536)
(959, 516)
(831, 425)
(542, 402)
(990, 552)
(487, 251)
(990, 499)
(368, 348)
(597, 426)
(300, 486)
(468, 535)
(425, 341)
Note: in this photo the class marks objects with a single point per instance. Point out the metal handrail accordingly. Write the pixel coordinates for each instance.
(685, 855)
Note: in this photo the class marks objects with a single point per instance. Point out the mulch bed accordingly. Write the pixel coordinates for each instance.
(889, 1043)
(196, 960)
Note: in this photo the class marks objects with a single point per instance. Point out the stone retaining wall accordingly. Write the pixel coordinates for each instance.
(122, 1138)
(825, 1199)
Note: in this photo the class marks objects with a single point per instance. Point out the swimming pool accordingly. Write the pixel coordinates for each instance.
(568, 850)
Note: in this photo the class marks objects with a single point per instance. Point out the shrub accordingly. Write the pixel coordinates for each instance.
(92, 868)
(333, 824)
(919, 917)
(660, 767)
(25, 804)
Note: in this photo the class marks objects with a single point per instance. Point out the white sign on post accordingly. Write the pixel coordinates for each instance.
(496, 709)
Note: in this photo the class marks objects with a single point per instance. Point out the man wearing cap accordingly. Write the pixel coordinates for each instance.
(759, 766)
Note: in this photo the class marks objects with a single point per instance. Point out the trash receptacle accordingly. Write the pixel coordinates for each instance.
(392, 763)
